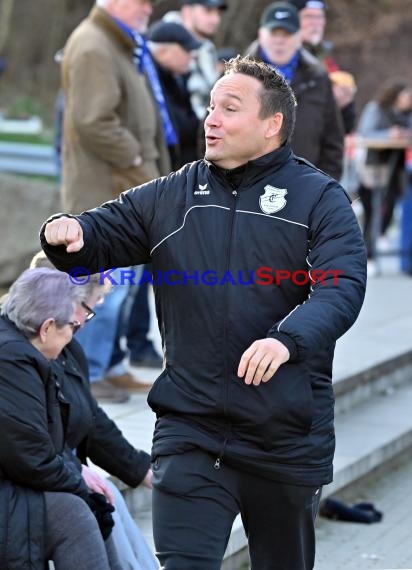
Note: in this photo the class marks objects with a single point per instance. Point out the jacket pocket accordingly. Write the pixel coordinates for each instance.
(275, 412)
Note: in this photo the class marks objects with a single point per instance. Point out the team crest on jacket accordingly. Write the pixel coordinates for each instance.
(273, 199)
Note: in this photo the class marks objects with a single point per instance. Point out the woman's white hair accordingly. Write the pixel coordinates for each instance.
(40, 294)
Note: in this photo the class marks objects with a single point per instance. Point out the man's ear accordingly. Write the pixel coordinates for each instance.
(274, 125)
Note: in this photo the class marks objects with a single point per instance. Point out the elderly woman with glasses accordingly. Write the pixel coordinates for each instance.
(44, 500)
(91, 434)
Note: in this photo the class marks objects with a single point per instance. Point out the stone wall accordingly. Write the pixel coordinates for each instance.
(25, 204)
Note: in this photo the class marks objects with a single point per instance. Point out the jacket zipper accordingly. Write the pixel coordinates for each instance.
(225, 336)
(221, 454)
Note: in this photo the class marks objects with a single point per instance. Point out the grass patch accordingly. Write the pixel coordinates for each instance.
(45, 138)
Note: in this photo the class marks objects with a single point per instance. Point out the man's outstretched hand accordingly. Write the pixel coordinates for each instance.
(65, 231)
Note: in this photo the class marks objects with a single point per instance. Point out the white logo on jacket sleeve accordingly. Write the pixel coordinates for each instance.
(273, 199)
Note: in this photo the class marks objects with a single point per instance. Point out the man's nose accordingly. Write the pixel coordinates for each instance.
(212, 118)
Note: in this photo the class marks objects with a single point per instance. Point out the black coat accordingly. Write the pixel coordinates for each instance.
(319, 133)
(31, 449)
(89, 430)
(277, 212)
(183, 117)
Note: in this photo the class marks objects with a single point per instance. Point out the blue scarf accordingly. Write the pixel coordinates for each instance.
(287, 70)
(144, 64)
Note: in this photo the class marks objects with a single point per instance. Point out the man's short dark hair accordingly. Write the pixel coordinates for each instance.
(276, 96)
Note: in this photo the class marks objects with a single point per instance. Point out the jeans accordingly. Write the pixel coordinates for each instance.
(406, 231)
(131, 547)
(134, 322)
(139, 322)
(97, 337)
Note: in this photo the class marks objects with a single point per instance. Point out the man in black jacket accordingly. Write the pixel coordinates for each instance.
(259, 266)
(173, 47)
(318, 135)
(312, 15)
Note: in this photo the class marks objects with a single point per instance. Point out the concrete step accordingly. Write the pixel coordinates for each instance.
(373, 426)
(371, 434)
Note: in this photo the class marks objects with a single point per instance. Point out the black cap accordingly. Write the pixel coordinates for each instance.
(171, 32)
(221, 4)
(316, 4)
(226, 53)
(281, 15)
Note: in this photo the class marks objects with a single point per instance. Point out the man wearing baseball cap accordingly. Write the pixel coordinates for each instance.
(173, 49)
(202, 19)
(312, 15)
(318, 134)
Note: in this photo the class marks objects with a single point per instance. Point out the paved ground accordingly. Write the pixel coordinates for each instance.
(386, 545)
(383, 328)
(382, 546)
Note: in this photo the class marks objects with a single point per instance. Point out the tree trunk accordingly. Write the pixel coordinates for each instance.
(6, 10)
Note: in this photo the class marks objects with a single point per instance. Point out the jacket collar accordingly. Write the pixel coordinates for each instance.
(9, 333)
(101, 18)
(247, 174)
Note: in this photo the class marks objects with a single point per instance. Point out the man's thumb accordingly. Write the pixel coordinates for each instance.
(75, 246)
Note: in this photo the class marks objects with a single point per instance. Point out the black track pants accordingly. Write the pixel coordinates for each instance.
(194, 506)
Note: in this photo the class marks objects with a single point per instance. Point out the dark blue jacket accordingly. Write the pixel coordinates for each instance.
(31, 449)
(89, 430)
(277, 212)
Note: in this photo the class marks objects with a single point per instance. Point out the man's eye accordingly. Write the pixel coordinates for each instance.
(232, 109)
(210, 108)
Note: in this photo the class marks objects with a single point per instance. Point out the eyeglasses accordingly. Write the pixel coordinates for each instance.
(75, 326)
(89, 312)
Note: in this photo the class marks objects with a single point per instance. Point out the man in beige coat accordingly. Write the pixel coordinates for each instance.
(113, 136)
(113, 139)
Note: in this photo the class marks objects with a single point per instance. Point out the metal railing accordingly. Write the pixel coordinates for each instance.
(25, 158)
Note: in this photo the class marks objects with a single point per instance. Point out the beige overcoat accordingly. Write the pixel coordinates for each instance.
(110, 117)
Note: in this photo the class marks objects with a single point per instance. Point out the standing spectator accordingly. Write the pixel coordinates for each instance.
(202, 19)
(173, 49)
(318, 134)
(113, 138)
(223, 55)
(312, 15)
(245, 404)
(387, 117)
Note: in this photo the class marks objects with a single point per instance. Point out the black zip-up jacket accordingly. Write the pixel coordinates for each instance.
(89, 430)
(276, 212)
